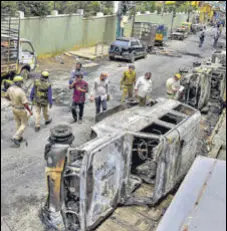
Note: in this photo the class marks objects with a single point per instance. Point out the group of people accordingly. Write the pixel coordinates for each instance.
(100, 90)
(41, 95)
(216, 36)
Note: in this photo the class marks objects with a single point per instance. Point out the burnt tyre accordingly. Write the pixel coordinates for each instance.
(111, 58)
(61, 134)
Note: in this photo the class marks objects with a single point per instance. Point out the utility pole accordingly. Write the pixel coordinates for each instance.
(133, 20)
(118, 9)
(174, 15)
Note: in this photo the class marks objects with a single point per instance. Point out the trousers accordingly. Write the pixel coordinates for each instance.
(21, 119)
(99, 103)
(142, 101)
(46, 116)
(74, 110)
(127, 91)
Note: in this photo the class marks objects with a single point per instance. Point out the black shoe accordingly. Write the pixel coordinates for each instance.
(16, 142)
(37, 129)
(21, 139)
(48, 121)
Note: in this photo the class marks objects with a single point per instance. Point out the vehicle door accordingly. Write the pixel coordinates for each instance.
(27, 55)
(141, 49)
(135, 48)
(177, 155)
(105, 173)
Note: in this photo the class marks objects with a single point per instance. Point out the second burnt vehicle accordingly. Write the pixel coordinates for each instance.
(128, 49)
(130, 146)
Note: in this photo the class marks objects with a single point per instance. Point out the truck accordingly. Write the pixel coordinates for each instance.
(151, 34)
(18, 56)
(146, 33)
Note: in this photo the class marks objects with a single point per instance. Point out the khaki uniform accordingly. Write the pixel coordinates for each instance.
(172, 87)
(127, 82)
(41, 100)
(18, 99)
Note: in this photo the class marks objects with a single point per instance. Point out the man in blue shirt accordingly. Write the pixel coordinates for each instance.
(78, 70)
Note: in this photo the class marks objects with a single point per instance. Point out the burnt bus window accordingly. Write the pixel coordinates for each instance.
(184, 109)
(171, 118)
(156, 129)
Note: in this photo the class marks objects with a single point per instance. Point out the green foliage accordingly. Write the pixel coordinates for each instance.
(43, 8)
(35, 8)
(9, 7)
(144, 6)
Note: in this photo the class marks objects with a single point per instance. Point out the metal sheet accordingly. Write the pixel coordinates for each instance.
(200, 203)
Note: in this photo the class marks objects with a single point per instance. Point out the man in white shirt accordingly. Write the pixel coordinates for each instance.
(100, 92)
(143, 88)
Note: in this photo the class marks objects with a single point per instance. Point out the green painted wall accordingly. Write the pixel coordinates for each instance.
(61, 33)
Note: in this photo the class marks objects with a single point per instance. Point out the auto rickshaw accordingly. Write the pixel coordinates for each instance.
(161, 34)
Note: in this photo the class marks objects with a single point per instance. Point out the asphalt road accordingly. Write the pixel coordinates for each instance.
(23, 185)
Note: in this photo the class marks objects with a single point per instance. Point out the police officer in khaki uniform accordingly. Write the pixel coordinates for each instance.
(173, 86)
(127, 83)
(19, 104)
(41, 96)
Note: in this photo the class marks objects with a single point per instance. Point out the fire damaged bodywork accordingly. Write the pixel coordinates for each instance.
(206, 85)
(134, 145)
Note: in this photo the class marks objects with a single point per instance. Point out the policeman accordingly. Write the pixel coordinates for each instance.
(173, 86)
(41, 95)
(127, 83)
(7, 83)
(19, 104)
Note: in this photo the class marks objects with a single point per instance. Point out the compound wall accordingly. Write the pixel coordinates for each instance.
(55, 34)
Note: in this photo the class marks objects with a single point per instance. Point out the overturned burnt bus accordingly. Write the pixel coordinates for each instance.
(129, 146)
(206, 85)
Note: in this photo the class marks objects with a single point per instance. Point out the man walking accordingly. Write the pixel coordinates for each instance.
(128, 82)
(101, 93)
(41, 96)
(78, 70)
(202, 38)
(20, 107)
(143, 88)
(79, 96)
(217, 36)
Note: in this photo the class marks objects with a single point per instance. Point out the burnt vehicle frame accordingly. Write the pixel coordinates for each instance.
(206, 84)
(87, 183)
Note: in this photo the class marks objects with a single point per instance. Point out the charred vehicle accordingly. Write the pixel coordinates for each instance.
(130, 146)
(180, 34)
(206, 85)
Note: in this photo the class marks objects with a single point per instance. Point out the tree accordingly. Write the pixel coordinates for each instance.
(8, 7)
(34, 8)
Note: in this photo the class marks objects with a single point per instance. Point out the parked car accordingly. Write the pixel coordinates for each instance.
(127, 49)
